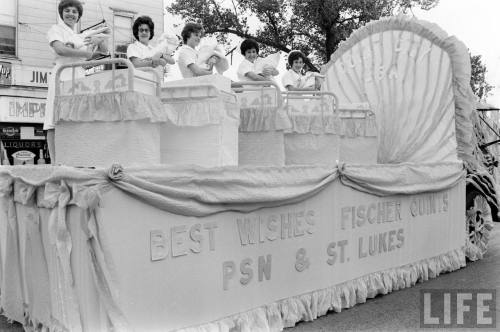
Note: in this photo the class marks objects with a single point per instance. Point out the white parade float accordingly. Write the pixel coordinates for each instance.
(191, 225)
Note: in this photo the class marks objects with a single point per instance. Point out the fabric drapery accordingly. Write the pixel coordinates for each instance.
(37, 203)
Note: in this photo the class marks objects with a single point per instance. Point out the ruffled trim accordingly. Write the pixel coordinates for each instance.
(460, 61)
(200, 112)
(264, 118)
(35, 325)
(307, 307)
(111, 106)
(333, 124)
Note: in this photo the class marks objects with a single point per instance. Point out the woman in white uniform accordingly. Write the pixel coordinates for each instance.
(141, 53)
(68, 47)
(295, 79)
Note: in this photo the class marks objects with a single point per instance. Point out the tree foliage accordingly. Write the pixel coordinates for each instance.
(480, 87)
(314, 26)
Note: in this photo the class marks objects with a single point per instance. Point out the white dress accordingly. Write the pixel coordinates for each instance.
(244, 68)
(61, 32)
(294, 79)
(141, 51)
(187, 56)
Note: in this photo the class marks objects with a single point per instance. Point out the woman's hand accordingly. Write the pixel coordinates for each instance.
(93, 40)
(168, 59)
(269, 71)
(155, 60)
(162, 62)
(96, 54)
(212, 60)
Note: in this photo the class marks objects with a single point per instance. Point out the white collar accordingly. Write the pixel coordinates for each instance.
(64, 26)
(148, 46)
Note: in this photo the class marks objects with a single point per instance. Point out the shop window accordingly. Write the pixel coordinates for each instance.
(122, 33)
(8, 21)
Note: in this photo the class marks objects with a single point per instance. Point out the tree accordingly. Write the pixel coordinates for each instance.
(480, 87)
(315, 27)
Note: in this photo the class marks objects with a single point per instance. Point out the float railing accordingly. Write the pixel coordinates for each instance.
(244, 86)
(311, 95)
(114, 61)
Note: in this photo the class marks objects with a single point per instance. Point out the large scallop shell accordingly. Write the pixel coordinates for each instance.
(416, 80)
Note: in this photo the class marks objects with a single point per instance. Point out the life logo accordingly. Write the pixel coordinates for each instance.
(458, 308)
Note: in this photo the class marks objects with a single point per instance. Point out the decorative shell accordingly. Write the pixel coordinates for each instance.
(416, 80)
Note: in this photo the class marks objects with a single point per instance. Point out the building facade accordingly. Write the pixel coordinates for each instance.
(26, 60)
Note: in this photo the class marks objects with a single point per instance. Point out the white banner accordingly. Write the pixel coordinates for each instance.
(174, 271)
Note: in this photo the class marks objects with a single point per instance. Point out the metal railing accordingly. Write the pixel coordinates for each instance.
(126, 62)
(311, 95)
(212, 92)
(244, 86)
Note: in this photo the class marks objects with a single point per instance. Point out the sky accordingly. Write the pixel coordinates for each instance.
(477, 24)
(474, 22)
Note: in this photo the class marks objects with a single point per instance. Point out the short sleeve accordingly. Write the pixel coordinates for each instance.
(187, 57)
(244, 68)
(55, 33)
(287, 79)
(132, 52)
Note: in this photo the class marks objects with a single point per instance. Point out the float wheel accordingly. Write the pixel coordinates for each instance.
(479, 222)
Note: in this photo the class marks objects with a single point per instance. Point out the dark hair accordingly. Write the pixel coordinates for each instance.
(140, 21)
(248, 44)
(295, 55)
(70, 3)
(190, 28)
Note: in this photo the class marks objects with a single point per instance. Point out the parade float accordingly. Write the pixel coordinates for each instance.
(186, 222)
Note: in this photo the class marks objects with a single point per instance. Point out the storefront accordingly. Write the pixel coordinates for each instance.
(23, 91)
(21, 131)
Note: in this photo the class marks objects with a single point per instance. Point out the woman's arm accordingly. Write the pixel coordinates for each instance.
(255, 77)
(270, 71)
(64, 50)
(99, 41)
(169, 59)
(292, 88)
(198, 71)
(138, 62)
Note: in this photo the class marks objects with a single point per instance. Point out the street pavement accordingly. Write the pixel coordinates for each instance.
(398, 311)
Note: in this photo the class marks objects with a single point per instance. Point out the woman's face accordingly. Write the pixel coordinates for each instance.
(297, 64)
(194, 39)
(251, 54)
(70, 16)
(144, 33)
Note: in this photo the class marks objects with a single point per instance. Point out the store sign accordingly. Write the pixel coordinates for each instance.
(24, 110)
(10, 133)
(31, 76)
(24, 155)
(5, 73)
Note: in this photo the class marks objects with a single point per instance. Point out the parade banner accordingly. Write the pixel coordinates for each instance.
(187, 271)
